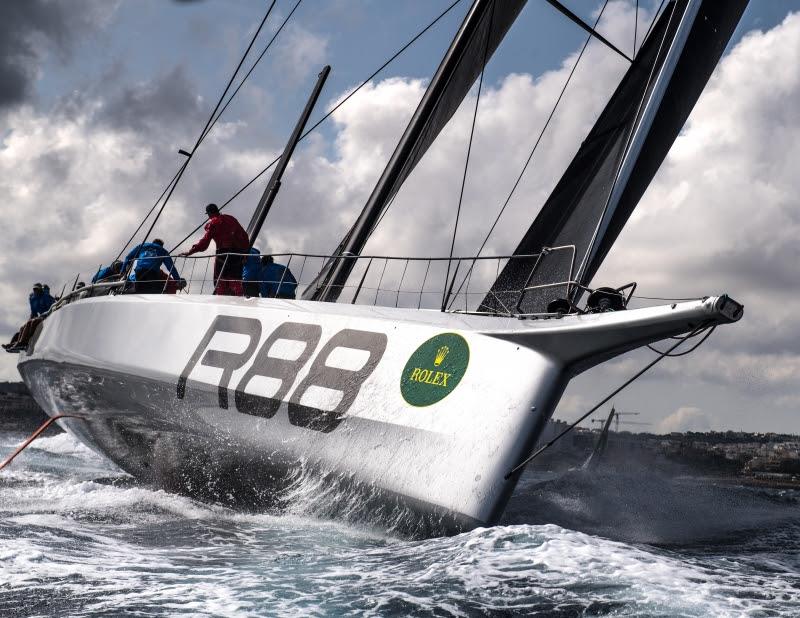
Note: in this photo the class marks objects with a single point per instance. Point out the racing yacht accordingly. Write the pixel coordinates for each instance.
(422, 416)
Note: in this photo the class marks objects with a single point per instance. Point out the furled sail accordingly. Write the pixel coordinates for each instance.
(481, 32)
(615, 164)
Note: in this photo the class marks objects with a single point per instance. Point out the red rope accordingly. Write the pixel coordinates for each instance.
(35, 435)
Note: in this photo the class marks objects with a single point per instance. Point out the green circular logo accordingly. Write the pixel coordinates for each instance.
(434, 369)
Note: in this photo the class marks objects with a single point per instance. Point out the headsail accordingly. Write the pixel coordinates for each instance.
(615, 164)
(483, 29)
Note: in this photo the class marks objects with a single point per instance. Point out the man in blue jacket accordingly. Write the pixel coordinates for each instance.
(109, 272)
(40, 301)
(251, 273)
(146, 273)
(277, 280)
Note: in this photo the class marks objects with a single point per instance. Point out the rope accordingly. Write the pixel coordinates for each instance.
(637, 375)
(535, 146)
(327, 115)
(466, 163)
(690, 350)
(35, 435)
(665, 299)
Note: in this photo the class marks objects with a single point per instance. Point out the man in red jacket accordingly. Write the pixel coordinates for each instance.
(232, 246)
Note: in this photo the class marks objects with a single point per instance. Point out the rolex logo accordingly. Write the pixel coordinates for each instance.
(434, 370)
(441, 353)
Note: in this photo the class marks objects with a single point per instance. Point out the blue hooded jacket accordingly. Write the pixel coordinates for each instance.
(277, 280)
(252, 266)
(151, 257)
(40, 303)
(101, 274)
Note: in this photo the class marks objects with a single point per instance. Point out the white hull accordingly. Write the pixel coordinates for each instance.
(117, 361)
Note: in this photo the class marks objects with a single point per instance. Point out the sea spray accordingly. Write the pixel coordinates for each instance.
(78, 537)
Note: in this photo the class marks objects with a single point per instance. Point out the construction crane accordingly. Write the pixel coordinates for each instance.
(615, 415)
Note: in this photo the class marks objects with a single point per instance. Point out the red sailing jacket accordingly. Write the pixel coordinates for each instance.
(226, 232)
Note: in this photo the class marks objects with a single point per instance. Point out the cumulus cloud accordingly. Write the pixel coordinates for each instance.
(685, 419)
(79, 177)
(302, 52)
(722, 216)
(572, 405)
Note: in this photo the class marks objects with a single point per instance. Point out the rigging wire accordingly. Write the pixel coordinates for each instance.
(255, 64)
(690, 350)
(662, 355)
(330, 113)
(209, 123)
(446, 295)
(535, 146)
(666, 299)
(635, 27)
(592, 33)
(583, 25)
(149, 212)
(686, 337)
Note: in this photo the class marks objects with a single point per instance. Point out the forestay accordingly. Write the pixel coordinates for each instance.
(616, 162)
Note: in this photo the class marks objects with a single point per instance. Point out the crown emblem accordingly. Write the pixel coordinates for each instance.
(441, 353)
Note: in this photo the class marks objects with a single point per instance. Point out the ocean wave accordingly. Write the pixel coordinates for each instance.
(75, 542)
(293, 568)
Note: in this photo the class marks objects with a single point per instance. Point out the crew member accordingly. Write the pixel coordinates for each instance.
(109, 272)
(251, 273)
(146, 274)
(232, 246)
(40, 302)
(277, 281)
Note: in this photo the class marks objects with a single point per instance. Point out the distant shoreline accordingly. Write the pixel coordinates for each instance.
(753, 459)
(19, 413)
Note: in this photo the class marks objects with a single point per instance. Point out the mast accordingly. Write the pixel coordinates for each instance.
(274, 184)
(458, 70)
(616, 162)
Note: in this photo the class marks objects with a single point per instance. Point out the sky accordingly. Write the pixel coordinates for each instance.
(97, 96)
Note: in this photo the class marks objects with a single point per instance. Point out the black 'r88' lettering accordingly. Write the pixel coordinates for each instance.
(279, 368)
(347, 381)
(227, 361)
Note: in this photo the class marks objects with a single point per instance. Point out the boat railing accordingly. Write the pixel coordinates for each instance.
(540, 259)
(394, 281)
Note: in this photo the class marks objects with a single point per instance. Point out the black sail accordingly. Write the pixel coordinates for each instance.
(482, 30)
(615, 164)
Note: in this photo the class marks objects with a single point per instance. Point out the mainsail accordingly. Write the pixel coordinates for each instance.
(615, 164)
(481, 32)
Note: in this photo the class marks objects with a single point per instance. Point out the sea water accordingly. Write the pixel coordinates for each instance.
(79, 538)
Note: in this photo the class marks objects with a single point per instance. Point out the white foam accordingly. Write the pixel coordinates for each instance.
(245, 565)
(65, 444)
(127, 548)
